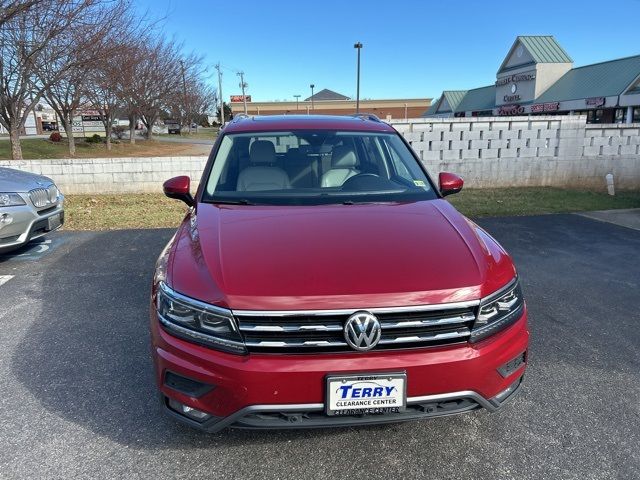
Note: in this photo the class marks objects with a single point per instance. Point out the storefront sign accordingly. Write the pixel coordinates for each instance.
(511, 110)
(518, 77)
(545, 107)
(595, 101)
(511, 98)
(240, 98)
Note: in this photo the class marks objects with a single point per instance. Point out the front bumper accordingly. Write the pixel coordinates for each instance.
(288, 391)
(28, 224)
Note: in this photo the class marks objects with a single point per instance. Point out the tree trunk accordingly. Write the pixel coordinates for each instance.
(107, 130)
(14, 138)
(132, 129)
(68, 129)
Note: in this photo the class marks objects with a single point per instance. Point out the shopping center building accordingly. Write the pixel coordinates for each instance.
(537, 77)
(327, 102)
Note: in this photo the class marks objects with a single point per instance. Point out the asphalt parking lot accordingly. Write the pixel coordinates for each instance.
(77, 398)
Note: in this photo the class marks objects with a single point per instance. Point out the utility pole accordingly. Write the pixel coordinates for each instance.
(358, 46)
(312, 87)
(243, 85)
(184, 94)
(220, 94)
(297, 97)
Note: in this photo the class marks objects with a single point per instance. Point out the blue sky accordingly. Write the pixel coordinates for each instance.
(411, 48)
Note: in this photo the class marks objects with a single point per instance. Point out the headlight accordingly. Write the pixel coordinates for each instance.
(10, 200)
(498, 311)
(197, 321)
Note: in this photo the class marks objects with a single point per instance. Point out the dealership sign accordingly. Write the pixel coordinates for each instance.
(595, 101)
(545, 107)
(240, 98)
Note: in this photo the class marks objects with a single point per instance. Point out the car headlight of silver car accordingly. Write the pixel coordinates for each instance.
(498, 311)
(11, 200)
(197, 321)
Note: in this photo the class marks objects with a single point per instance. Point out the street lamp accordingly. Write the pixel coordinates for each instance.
(358, 46)
(312, 87)
(297, 97)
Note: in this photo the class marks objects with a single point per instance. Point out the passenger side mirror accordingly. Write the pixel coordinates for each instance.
(180, 189)
(450, 183)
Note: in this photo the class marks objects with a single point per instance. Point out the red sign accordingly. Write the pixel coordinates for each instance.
(595, 101)
(545, 107)
(511, 110)
(240, 98)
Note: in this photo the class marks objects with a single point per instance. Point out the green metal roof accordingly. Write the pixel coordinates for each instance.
(599, 80)
(478, 99)
(545, 49)
(454, 97)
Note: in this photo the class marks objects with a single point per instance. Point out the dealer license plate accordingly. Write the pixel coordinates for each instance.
(366, 394)
(54, 222)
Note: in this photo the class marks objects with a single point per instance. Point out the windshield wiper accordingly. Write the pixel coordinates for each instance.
(240, 201)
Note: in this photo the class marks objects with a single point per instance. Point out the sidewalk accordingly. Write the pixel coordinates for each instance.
(629, 217)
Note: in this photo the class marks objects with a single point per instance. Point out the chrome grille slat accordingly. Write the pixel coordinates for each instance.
(322, 331)
(44, 197)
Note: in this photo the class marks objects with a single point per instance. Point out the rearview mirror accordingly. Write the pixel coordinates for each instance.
(180, 189)
(450, 183)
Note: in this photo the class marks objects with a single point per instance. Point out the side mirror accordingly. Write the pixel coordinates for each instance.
(449, 183)
(180, 189)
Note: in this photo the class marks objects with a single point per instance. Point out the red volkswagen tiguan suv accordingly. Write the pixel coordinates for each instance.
(321, 279)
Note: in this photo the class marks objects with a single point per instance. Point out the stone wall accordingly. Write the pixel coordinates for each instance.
(112, 175)
(558, 151)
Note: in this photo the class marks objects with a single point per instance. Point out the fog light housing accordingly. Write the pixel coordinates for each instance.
(187, 411)
(512, 365)
(506, 393)
(5, 219)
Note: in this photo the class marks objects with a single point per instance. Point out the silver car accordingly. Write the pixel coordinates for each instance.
(30, 206)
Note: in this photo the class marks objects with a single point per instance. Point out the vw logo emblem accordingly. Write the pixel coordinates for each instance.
(362, 331)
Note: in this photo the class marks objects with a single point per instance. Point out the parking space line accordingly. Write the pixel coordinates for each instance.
(5, 278)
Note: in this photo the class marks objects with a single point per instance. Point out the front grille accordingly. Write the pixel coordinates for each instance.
(44, 197)
(308, 332)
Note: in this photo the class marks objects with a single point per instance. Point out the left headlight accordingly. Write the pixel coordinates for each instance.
(498, 311)
(11, 200)
(197, 321)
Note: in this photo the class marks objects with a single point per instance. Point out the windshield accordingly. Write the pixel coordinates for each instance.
(313, 167)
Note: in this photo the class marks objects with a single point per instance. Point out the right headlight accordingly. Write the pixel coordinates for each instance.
(498, 311)
(197, 321)
(11, 200)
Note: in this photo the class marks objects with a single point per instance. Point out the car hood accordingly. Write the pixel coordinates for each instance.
(12, 180)
(335, 256)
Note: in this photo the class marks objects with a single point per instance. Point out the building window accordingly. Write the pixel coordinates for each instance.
(620, 115)
(636, 115)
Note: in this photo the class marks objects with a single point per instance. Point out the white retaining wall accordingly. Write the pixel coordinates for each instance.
(560, 151)
(112, 175)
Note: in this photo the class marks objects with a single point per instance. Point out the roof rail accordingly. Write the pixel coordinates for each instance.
(241, 116)
(367, 116)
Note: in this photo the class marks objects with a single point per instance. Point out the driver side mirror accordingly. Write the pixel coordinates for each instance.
(449, 183)
(180, 189)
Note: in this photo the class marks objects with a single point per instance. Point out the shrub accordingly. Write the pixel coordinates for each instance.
(118, 131)
(55, 137)
(95, 138)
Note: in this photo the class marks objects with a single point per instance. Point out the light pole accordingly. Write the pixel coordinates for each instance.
(312, 87)
(297, 97)
(220, 94)
(358, 46)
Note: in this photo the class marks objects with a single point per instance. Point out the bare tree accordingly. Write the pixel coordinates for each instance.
(195, 97)
(26, 42)
(12, 8)
(158, 76)
(87, 45)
